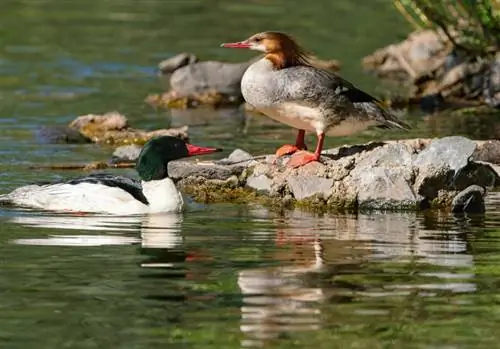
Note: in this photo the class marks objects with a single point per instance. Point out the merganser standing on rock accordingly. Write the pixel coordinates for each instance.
(285, 86)
(111, 194)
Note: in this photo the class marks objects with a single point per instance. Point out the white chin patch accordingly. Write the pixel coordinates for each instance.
(259, 47)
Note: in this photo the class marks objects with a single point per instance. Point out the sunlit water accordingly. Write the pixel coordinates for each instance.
(216, 276)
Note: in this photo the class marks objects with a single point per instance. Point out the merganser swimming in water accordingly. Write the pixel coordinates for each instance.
(111, 194)
(285, 86)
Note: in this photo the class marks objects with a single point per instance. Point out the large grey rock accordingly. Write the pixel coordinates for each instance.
(453, 152)
(382, 178)
(385, 188)
(443, 165)
(304, 187)
(469, 200)
(209, 76)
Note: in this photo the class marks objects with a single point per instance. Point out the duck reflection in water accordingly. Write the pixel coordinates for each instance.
(316, 252)
(155, 229)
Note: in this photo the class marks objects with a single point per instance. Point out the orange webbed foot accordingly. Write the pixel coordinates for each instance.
(286, 149)
(302, 158)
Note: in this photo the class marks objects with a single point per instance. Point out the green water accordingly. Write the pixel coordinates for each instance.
(218, 276)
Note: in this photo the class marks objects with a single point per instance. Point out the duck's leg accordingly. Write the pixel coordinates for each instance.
(304, 157)
(288, 149)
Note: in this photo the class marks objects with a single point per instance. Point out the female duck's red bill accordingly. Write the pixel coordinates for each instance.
(241, 44)
(197, 150)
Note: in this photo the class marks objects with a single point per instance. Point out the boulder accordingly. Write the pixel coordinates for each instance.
(394, 175)
(469, 200)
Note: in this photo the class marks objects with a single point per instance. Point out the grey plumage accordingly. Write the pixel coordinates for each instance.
(335, 98)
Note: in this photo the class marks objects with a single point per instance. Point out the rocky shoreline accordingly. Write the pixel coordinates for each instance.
(451, 173)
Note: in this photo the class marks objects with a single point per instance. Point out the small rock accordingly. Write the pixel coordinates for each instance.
(105, 122)
(303, 187)
(112, 128)
(126, 153)
(260, 182)
(171, 64)
(469, 200)
(238, 156)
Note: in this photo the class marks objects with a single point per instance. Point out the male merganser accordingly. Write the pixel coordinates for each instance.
(111, 194)
(285, 86)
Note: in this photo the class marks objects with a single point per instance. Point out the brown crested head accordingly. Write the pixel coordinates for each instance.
(280, 48)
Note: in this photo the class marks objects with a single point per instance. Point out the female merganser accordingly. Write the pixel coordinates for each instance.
(111, 194)
(285, 86)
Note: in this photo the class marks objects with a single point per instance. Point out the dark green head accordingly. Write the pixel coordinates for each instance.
(157, 152)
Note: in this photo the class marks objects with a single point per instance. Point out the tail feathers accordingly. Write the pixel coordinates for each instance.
(383, 115)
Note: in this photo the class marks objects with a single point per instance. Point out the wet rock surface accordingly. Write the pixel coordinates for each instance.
(394, 175)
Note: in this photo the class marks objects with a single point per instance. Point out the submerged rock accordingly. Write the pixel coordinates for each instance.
(469, 200)
(395, 175)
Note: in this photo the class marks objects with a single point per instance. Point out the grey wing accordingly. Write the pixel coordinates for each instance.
(316, 86)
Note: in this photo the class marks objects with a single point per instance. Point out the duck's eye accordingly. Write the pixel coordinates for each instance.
(257, 39)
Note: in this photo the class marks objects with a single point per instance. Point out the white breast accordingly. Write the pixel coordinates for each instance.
(296, 116)
(262, 88)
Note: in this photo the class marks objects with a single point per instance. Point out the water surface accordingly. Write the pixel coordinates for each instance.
(217, 276)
